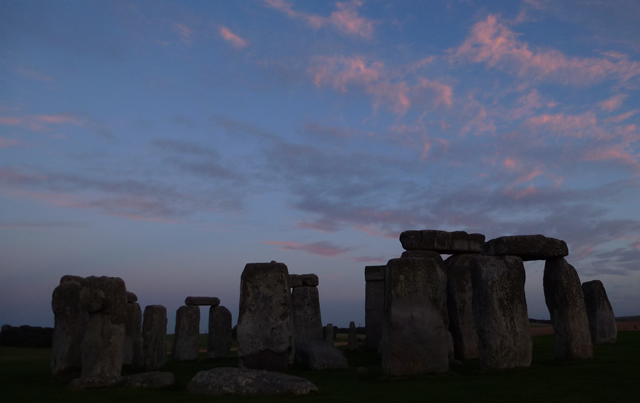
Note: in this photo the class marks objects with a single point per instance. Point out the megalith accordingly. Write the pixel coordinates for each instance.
(602, 321)
(352, 341)
(132, 354)
(373, 305)
(460, 306)
(265, 325)
(154, 334)
(414, 336)
(219, 332)
(442, 241)
(69, 329)
(527, 247)
(329, 334)
(500, 312)
(564, 299)
(305, 301)
(105, 299)
(185, 342)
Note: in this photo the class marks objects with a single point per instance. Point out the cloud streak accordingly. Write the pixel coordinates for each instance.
(235, 41)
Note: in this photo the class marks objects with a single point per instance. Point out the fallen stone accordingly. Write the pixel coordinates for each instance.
(154, 333)
(187, 333)
(220, 337)
(202, 301)
(500, 312)
(148, 380)
(414, 339)
(132, 353)
(303, 280)
(460, 306)
(352, 341)
(241, 381)
(131, 297)
(314, 354)
(563, 296)
(373, 305)
(442, 241)
(527, 247)
(602, 321)
(265, 325)
(307, 319)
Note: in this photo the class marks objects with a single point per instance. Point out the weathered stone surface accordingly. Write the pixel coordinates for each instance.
(563, 296)
(329, 334)
(105, 298)
(352, 341)
(442, 241)
(154, 333)
(202, 301)
(314, 354)
(131, 297)
(219, 332)
(527, 247)
(303, 280)
(69, 329)
(414, 339)
(460, 306)
(428, 254)
(185, 342)
(238, 381)
(374, 305)
(602, 321)
(149, 380)
(500, 312)
(307, 319)
(132, 354)
(265, 325)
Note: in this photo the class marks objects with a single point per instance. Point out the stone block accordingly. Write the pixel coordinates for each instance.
(307, 319)
(154, 334)
(220, 339)
(460, 306)
(527, 247)
(303, 280)
(187, 333)
(602, 321)
(442, 241)
(202, 301)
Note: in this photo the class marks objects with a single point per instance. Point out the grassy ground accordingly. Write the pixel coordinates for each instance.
(612, 376)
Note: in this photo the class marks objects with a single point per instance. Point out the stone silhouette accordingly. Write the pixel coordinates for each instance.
(374, 305)
(602, 321)
(202, 301)
(442, 241)
(154, 333)
(219, 332)
(527, 247)
(352, 341)
(132, 354)
(305, 300)
(185, 342)
(460, 306)
(329, 334)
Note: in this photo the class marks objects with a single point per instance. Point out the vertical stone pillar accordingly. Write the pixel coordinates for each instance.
(602, 321)
(132, 354)
(563, 296)
(185, 342)
(460, 306)
(305, 301)
(414, 336)
(373, 305)
(500, 312)
(69, 329)
(154, 334)
(219, 332)
(352, 341)
(329, 334)
(265, 325)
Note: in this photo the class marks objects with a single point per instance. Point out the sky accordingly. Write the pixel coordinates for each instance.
(171, 143)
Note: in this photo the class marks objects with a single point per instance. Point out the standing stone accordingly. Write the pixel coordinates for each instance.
(460, 306)
(105, 298)
(352, 341)
(303, 280)
(414, 339)
(500, 312)
(329, 334)
(70, 325)
(307, 320)
(265, 325)
(132, 354)
(563, 296)
(154, 333)
(219, 332)
(602, 321)
(373, 305)
(185, 342)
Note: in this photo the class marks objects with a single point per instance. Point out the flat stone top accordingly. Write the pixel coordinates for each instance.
(202, 301)
(303, 280)
(374, 273)
(442, 241)
(527, 247)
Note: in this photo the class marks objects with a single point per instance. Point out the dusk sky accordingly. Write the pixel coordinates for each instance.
(171, 143)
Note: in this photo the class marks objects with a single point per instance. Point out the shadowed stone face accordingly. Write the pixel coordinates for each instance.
(202, 301)
(185, 343)
(602, 321)
(460, 306)
(303, 280)
(154, 333)
(527, 247)
(132, 354)
(442, 241)
(219, 332)
(374, 305)
(500, 312)
(307, 320)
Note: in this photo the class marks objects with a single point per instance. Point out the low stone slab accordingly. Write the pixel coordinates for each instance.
(527, 247)
(238, 381)
(316, 354)
(149, 380)
(303, 280)
(202, 301)
(602, 321)
(442, 241)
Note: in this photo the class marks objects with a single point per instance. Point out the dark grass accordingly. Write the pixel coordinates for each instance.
(612, 376)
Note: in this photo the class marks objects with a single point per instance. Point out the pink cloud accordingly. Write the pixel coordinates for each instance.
(325, 249)
(622, 117)
(7, 143)
(495, 44)
(569, 125)
(518, 194)
(232, 38)
(612, 103)
(41, 123)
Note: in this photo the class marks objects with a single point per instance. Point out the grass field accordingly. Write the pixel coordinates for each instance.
(612, 376)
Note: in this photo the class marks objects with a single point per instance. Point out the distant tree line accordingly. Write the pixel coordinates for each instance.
(26, 336)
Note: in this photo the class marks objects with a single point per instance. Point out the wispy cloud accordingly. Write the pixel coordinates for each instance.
(184, 32)
(325, 249)
(232, 38)
(8, 143)
(613, 103)
(41, 123)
